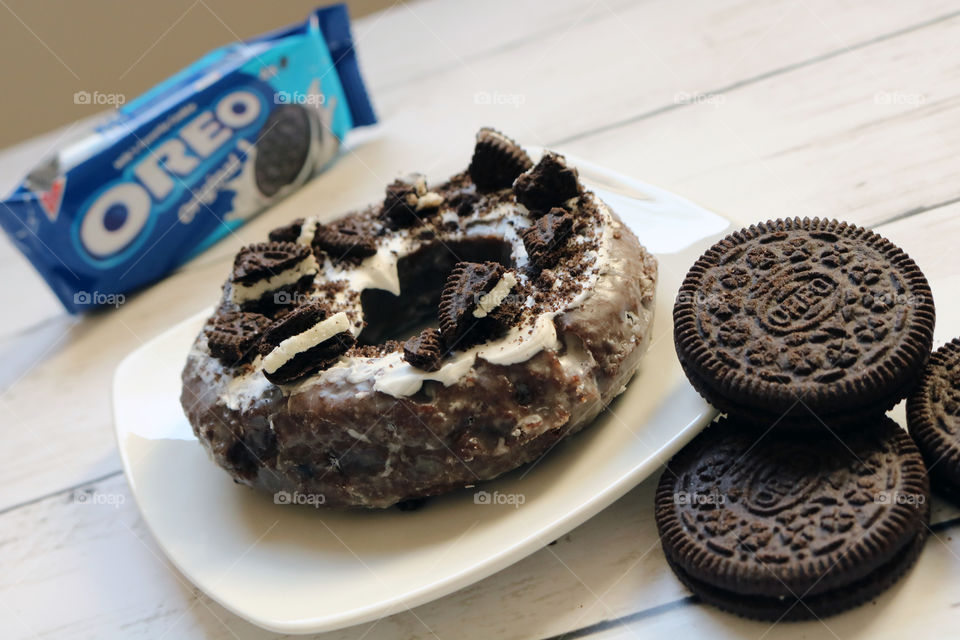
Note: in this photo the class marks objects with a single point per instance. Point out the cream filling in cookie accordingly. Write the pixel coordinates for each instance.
(290, 348)
(492, 299)
(246, 292)
(307, 231)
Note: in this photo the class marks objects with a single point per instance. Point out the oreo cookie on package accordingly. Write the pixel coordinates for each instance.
(181, 166)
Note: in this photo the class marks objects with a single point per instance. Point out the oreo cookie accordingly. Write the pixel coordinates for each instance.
(497, 161)
(344, 239)
(288, 232)
(796, 323)
(425, 350)
(547, 237)
(261, 271)
(283, 148)
(233, 336)
(933, 417)
(479, 302)
(303, 342)
(549, 184)
(408, 201)
(793, 526)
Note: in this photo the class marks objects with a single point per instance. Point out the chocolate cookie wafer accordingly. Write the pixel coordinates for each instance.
(233, 336)
(283, 147)
(803, 322)
(546, 237)
(548, 184)
(933, 417)
(425, 350)
(793, 525)
(344, 239)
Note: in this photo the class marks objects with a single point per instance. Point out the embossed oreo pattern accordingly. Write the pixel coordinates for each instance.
(791, 516)
(933, 416)
(816, 309)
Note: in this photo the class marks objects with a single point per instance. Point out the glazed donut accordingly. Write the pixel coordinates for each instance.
(441, 338)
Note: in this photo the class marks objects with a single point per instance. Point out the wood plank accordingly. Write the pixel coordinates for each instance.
(865, 137)
(608, 576)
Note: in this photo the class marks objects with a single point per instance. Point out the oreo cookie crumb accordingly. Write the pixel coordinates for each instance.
(408, 202)
(424, 351)
(464, 203)
(548, 234)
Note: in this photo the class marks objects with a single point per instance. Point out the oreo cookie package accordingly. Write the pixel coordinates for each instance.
(181, 166)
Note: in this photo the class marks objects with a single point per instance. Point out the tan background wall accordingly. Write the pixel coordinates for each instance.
(51, 49)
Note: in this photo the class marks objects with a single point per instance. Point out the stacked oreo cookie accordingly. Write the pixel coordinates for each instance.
(933, 417)
(804, 500)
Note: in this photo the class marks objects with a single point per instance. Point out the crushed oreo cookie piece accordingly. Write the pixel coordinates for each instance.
(497, 161)
(263, 269)
(408, 201)
(464, 202)
(479, 302)
(344, 239)
(547, 236)
(232, 336)
(549, 184)
(424, 351)
(303, 342)
(287, 233)
(301, 231)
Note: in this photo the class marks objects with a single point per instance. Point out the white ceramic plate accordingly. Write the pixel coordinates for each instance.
(295, 569)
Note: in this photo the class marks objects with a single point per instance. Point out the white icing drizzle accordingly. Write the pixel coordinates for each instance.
(379, 271)
(394, 376)
(241, 293)
(391, 374)
(288, 349)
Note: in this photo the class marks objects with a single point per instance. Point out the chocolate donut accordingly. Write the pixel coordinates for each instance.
(440, 338)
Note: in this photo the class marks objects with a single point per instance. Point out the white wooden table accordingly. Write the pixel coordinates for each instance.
(754, 108)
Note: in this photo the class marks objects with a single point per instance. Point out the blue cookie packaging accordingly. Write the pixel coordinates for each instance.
(181, 166)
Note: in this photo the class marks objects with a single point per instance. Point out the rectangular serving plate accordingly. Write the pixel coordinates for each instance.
(296, 569)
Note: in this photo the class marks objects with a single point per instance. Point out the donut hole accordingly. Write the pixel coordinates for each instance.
(422, 275)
